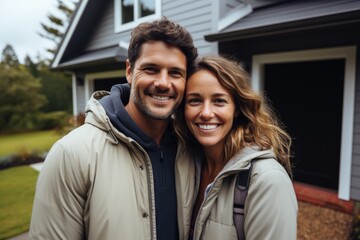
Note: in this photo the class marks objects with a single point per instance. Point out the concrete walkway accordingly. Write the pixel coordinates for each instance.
(24, 236)
(37, 166)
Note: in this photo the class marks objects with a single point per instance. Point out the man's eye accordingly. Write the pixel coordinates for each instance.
(176, 73)
(150, 69)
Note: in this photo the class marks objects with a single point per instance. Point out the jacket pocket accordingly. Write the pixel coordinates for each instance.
(214, 231)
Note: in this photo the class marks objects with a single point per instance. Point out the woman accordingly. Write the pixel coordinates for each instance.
(225, 125)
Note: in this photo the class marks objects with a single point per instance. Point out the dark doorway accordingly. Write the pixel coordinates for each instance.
(107, 83)
(308, 97)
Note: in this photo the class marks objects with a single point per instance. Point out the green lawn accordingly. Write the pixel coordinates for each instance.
(17, 184)
(17, 187)
(33, 141)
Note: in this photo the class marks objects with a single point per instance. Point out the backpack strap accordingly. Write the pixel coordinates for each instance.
(240, 194)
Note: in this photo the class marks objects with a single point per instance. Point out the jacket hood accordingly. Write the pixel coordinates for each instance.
(98, 116)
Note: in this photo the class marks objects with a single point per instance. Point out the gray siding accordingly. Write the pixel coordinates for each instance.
(195, 16)
(104, 33)
(80, 99)
(355, 169)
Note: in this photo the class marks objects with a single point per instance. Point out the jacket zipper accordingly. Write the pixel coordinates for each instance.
(151, 193)
(227, 173)
(162, 169)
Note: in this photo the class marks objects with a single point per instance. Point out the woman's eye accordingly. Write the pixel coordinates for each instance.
(193, 101)
(220, 101)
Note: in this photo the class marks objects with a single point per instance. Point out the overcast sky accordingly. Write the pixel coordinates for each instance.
(19, 23)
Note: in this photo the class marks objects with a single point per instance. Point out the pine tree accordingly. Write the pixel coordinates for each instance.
(31, 66)
(9, 56)
(57, 24)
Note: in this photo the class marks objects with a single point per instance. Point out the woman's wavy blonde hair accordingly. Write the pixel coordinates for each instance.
(256, 123)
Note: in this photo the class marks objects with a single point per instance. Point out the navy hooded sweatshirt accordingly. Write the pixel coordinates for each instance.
(162, 159)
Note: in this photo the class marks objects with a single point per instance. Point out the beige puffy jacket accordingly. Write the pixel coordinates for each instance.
(97, 184)
(270, 208)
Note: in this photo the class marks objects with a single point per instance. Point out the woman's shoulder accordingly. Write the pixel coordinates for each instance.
(269, 168)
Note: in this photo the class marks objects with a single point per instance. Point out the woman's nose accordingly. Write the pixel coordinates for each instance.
(206, 111)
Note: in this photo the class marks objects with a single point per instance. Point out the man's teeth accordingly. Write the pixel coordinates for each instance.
(161, 98)
(207, 127)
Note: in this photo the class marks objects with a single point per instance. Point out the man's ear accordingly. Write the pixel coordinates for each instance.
(128, 71)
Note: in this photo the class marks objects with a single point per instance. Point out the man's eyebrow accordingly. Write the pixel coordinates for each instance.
(148, 64)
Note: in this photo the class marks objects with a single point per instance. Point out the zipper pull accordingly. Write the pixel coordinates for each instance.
(161, 154)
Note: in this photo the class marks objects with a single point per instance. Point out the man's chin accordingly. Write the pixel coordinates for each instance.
(156, 115)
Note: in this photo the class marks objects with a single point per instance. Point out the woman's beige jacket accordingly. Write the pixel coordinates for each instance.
(97, 184)
(270, 208)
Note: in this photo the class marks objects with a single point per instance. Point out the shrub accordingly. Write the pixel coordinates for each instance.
(73, 122)
(23, 157)
(52, 120)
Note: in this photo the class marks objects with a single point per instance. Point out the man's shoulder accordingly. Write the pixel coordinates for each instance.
(86, 133)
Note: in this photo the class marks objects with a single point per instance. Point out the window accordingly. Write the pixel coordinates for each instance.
(129, 13)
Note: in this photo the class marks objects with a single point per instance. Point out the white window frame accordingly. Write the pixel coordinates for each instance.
(347, 53)
(119, 27)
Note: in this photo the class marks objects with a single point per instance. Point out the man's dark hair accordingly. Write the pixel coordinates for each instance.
(166, 31)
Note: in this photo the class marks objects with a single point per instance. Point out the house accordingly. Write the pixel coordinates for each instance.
(302, 54)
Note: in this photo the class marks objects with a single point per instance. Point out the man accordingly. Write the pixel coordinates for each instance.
(115, 176)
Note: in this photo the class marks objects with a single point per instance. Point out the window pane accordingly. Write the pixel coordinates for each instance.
(127, 11)
(147, 7)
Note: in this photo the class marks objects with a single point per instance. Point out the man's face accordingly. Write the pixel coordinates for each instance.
(157, 81)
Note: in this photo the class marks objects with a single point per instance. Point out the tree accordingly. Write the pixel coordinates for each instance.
(55, 29)
(57, 87)
(20, 98)
(9, 56)
(31, 66)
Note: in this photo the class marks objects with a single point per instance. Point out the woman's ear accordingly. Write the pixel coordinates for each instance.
(128, 71)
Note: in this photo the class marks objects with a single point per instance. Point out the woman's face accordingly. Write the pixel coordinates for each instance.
(209, 109)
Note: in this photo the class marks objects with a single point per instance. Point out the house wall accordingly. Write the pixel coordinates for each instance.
(195, 16)
(80, 99)
(355, 176)
(104, 32)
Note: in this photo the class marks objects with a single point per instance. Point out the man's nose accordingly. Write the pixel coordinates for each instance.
(163, 80)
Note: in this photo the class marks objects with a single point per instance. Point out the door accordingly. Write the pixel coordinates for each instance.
(107, 83)
(308, 97)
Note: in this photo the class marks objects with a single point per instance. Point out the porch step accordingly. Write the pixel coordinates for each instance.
(322, 197)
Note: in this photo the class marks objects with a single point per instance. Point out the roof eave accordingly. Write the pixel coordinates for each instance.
(292, 26)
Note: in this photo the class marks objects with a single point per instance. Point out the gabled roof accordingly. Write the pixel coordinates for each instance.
(70, 53)
(290, 16)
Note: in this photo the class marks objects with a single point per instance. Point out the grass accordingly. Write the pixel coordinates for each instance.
(34, 141)
(17, 188)
(17, 184)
